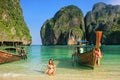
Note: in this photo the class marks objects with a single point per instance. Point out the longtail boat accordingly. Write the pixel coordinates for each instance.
(8, 57)
(88, 58)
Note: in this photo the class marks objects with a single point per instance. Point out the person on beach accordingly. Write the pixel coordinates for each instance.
(98, 55)
(23, 53)
(51, 68)
(18, 51)
(76, 52)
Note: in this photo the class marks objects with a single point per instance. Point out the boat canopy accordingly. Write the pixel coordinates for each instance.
(82, 41)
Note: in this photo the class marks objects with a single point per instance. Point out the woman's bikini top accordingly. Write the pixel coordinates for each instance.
(50, 66)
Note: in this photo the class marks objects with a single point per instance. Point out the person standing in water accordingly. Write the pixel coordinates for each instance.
(23, 53)
(98, 55)
(51, 68)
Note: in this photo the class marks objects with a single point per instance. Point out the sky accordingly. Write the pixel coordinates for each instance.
(36, 12)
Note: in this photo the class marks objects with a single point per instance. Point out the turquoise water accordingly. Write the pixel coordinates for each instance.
(38, 57)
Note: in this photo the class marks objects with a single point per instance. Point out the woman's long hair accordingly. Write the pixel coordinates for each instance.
(51, 61)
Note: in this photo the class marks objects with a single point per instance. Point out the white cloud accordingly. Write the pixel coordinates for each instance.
(114, 2)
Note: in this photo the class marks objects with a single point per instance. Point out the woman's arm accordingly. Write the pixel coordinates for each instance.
(54, 69)
(46, 70)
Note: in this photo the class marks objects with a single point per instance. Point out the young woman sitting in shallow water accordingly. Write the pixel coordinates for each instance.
(51, 68)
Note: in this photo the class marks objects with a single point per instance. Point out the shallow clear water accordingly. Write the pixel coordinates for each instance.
(38, 57)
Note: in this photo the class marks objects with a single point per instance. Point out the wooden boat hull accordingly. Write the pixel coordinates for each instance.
(7, 57)
(87, 58)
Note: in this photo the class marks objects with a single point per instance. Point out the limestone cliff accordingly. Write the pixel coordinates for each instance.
(12, 24)
(65, 27)
(106, 18)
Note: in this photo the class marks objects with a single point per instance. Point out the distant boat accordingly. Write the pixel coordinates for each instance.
(87, 57)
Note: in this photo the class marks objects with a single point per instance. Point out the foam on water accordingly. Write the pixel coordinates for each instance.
(11, 74)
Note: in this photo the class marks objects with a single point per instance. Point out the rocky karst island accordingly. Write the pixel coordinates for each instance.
(13, 28)
(69, 25)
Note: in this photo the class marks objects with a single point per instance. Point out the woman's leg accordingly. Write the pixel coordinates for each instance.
(53, 73)
(50, 72)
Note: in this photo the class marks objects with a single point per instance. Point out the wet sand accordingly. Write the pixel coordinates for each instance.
(66, 74)
(65, 71)
(59, 77)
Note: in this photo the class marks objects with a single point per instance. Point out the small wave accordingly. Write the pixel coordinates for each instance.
(11, 74)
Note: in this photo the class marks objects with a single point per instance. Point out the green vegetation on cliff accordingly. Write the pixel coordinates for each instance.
(106, 18)
(12, 24)
(68, 25)
(67, 22)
